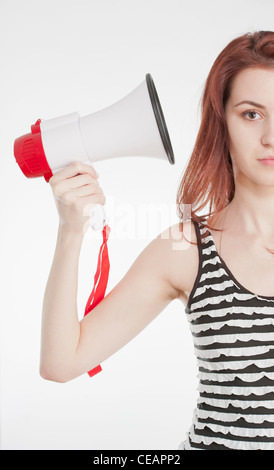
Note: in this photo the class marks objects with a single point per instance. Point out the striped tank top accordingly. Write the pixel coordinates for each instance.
(233, 334)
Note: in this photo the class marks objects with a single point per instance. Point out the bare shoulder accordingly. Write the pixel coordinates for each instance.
(180, 254)
(171, 258)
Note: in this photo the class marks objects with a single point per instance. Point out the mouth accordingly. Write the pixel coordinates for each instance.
(269, 161)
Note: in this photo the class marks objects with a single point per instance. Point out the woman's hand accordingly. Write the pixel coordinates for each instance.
(75, 190)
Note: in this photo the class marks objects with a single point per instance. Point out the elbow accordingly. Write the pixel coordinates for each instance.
(54, 375)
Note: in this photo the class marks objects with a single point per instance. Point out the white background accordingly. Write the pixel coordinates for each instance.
(62, 56)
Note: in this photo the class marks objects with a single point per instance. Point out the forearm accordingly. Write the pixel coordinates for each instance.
(60, 323)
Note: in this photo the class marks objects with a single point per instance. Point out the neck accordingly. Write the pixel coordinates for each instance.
(252, 210)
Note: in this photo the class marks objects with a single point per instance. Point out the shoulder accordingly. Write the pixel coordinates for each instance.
(181, 236)
(177, 257)
(168, 264)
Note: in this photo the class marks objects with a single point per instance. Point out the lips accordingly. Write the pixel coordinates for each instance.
(268, 161)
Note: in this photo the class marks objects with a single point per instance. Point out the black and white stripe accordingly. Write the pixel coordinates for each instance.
(233, 333)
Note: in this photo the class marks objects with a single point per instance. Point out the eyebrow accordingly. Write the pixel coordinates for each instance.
(252, 103)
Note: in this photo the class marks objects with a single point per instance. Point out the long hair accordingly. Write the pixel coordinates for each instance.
(208, 177)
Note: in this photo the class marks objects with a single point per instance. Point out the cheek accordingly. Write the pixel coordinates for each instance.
(241, 142)
(236, 147)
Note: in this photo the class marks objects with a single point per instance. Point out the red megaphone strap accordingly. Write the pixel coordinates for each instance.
(100, 282)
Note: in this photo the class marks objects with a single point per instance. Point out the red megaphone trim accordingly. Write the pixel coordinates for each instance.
(30, 155)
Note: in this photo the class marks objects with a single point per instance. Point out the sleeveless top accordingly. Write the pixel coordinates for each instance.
(233, 334)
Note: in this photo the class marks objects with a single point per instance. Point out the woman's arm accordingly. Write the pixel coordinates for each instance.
(60, 325)
(71, 347)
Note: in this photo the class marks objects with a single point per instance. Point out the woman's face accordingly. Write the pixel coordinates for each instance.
(251, 126)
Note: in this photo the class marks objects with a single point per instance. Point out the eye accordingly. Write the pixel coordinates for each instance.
(250, 113)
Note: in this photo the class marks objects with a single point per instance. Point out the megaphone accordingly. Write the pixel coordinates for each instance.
(134, 126)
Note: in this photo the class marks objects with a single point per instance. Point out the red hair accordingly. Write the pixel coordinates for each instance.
(208, 177)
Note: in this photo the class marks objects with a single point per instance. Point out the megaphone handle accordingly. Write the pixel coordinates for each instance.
(98, 217)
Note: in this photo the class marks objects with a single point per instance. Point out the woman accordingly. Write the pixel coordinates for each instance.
(225, 277)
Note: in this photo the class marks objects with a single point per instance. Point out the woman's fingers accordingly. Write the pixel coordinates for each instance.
(75, 168)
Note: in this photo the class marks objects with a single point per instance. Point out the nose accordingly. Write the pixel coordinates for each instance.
(268, 133)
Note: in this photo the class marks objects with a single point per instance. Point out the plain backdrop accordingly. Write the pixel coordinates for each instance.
(62, 56)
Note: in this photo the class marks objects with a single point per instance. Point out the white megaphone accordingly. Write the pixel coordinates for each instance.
(134, 126)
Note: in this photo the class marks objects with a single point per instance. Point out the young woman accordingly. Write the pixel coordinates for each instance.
(225, 277)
